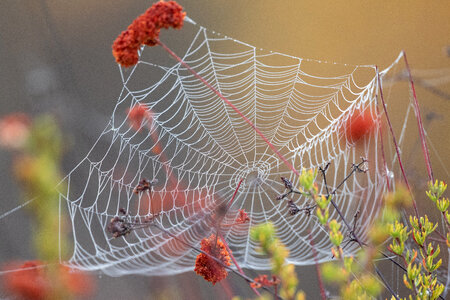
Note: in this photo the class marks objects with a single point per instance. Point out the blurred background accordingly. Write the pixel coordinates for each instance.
(55, 57)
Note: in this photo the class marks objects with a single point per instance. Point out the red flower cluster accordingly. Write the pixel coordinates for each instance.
(262, 280)
(33, 281)
(242, 218)
(359, 125)
(145, 30)
(206, 266)
(29, 283)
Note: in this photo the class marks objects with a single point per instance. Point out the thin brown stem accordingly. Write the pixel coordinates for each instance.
(236, 263)
(386, 284)
(234, 194)
(442, 241)
(219, 234)
(383, 156)
(426, 152)
(354, 169)
(220, 218)
(394, 139)
(275, 296)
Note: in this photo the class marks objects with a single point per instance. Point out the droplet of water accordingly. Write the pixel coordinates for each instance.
(390, 174)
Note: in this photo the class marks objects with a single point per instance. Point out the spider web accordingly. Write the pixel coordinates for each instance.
(197, 149)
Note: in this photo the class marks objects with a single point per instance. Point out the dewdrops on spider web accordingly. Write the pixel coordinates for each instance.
(177, 131)
(145, 30)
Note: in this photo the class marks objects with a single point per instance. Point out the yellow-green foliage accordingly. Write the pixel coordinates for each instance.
(420, 275)
(333, 272)
(307, 179)
(394, 203)
(435, 192)
(38, 171)
(270, 245)
(366, 286)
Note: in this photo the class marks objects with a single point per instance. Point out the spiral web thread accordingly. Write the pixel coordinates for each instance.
(198, 150)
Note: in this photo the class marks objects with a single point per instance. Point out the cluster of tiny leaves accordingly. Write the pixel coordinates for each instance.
(434, 193)
(265, 235)
(421, 277)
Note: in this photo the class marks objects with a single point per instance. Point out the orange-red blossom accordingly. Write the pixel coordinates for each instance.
(145, 31)
(263, 280)
(14, 130)
(33, 280)
(208, 267)
(361, 123)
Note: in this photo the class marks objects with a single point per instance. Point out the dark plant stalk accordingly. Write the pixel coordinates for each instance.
(235, 262)
(397, 150)
(425, 151)
(430, 88)
(386, 284)
(383, 157)
(354, 169)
